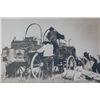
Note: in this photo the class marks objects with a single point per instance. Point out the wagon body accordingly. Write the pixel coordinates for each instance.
(19, 56)
(25, 57)
(64, 60)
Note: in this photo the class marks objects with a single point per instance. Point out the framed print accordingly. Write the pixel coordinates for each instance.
(50, 50)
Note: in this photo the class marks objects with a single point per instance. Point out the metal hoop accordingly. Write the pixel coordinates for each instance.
(30, 26)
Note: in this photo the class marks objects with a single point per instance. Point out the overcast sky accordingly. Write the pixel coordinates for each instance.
(83, 32)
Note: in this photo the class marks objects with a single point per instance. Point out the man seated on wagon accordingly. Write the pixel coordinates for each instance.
(47, 50)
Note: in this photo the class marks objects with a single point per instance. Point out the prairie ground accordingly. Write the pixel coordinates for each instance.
(56, 78)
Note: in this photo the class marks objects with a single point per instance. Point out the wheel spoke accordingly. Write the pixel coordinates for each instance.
(36, 60)
(36, 67)
(37, 73)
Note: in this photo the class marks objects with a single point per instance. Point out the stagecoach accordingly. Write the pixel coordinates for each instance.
(32, 63)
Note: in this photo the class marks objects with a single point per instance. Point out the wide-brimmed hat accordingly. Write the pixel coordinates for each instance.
(86, 53)
(51, 28)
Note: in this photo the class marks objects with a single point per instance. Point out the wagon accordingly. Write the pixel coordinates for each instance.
(18, 58)
(32, 63)
(66, 59)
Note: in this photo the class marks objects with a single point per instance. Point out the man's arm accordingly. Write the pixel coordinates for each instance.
(41, 49)
(60, 36)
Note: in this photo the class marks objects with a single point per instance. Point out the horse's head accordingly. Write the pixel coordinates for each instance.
(87, 55)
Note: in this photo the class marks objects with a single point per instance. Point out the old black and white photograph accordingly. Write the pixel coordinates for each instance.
(50, 50)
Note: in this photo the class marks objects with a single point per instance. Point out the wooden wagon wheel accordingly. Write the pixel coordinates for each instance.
(36, 67)
(71, 63)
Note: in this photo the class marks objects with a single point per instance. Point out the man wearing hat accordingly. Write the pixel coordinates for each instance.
(47, 50)
(53, 36)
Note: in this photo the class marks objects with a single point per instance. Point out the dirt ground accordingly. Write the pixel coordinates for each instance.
(56, 78)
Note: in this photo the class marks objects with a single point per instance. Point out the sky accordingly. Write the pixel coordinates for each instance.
(99, 37)
(84, 32)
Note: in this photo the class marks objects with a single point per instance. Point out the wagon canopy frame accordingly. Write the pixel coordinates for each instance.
(32, 24)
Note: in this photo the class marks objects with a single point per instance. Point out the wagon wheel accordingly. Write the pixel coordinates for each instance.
(71, 63)
(36, 67)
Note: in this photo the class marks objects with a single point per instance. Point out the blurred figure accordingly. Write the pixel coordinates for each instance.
(95, 64)
(53, 36)
(5, 61)
(87, 63)
(47, 59)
